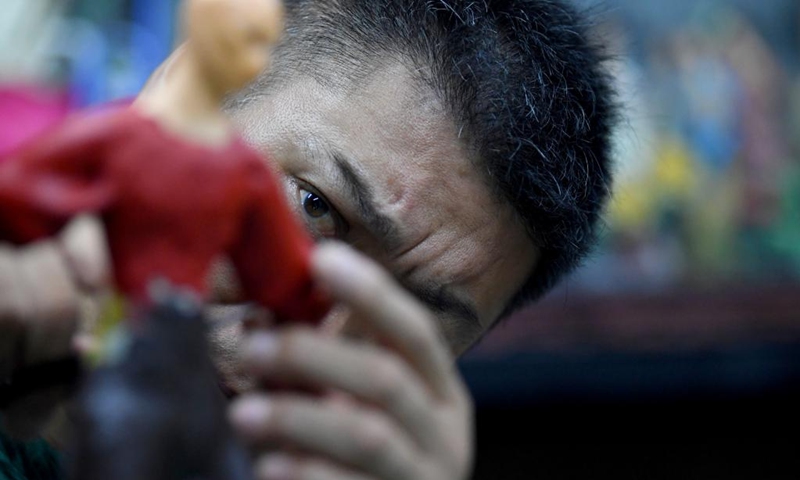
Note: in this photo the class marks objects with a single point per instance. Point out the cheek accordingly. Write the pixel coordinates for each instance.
(225, 345)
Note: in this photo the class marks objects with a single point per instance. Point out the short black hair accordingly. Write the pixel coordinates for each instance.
(524, 82)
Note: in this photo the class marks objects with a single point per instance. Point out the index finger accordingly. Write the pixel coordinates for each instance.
(385, 310)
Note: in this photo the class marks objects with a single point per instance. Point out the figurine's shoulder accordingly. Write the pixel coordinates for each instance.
(104, 117)
(100, 122)
(122, 119)
(247, 156)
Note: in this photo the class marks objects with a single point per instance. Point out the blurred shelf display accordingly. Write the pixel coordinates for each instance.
(671, 320)
(708, 185)
(96, 50)
(695, 290)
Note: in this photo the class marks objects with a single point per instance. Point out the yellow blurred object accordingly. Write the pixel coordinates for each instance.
(632, 206)
(711, 243)
(673, 178)
(676, 171)
(109, 334)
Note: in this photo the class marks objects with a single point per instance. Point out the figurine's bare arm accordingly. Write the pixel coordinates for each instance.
(53, 179)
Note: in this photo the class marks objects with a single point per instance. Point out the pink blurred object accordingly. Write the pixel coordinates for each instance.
(26, 111)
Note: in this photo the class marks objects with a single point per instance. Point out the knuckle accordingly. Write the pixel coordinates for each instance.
(375, 284)
(373, 437)
(278, 465)
(296, 338)
(390, 379)
(279, 419)
(289, 411)
(420, 339)
(292, 344)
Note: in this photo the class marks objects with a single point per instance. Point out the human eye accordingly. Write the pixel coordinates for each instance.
(323, 220)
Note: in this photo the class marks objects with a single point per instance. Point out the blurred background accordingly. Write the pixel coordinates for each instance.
(675, 352)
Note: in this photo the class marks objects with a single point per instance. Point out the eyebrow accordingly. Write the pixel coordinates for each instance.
(380, 225)
(439, 298)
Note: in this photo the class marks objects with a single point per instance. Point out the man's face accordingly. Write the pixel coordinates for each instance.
(379, 166)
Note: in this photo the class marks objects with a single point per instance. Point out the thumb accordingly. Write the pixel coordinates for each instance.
(85, 250)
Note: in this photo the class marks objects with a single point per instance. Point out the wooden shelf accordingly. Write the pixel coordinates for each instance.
(732, 342)
(671, 321)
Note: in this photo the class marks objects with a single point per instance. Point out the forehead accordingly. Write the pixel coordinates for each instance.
(453, 231)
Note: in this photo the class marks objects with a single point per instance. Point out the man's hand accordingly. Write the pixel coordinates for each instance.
(394, 408)
(42, 289)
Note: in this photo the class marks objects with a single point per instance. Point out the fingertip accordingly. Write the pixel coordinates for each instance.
(85, 344)
(329, 262)
(83, 245)
(275, 466)
(259, 349)
(249, 414)
(343, 270)
(330, 256)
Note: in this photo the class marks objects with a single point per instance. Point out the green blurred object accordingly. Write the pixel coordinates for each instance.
(34, 460)
(786, 236)
(100, 11)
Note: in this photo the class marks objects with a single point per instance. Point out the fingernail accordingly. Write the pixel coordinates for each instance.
(275, 467)
(251, 414)
(337, 266)
(263, 347)
(333, 257)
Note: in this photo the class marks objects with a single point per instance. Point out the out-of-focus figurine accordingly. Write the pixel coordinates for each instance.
(157, 414)
(175, 186)
(176, 189)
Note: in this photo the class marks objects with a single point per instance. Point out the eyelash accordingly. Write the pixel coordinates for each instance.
(303, 192)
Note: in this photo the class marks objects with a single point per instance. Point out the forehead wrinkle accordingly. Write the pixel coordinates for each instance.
(382, 225)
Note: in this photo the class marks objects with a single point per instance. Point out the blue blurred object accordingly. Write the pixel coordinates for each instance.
(112, 58)
(152, 36)
(87, 51)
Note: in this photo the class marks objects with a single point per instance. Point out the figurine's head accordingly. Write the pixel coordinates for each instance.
(231, 39)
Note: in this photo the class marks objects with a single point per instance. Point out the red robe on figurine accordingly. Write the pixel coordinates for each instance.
(170, 208)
